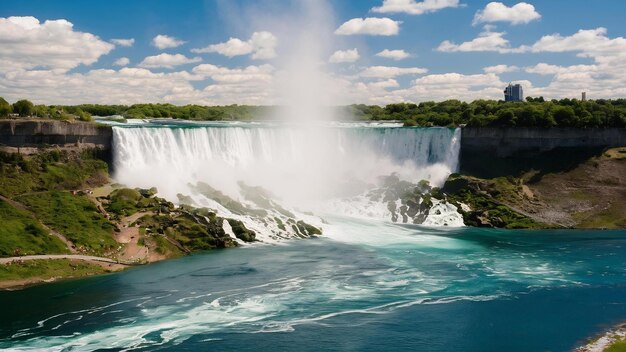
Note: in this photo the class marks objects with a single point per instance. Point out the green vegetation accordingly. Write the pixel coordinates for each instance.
(490, 202)
(5, 108)
(240, 231)
(39, 182)
(23, 235)
(307, 229)
(194, 230)
(126, 201)
(186, 112)
(50, 188)
(46, 269)
(533, 112)
(618, 346)
(74, 216)
(23, 108)
(50, 170)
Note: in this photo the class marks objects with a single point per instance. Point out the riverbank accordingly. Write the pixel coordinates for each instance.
(19, 273)
(586, 193)
(58, 207)
(613, 340)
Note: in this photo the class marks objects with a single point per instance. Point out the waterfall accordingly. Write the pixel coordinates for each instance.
(300, 166)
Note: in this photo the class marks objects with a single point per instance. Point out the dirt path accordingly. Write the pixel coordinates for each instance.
(129, 236)
(61, 256)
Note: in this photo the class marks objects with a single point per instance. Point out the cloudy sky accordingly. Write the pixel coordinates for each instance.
(338, 51)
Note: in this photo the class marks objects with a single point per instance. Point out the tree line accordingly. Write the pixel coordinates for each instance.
(534, 112)
(25, 108)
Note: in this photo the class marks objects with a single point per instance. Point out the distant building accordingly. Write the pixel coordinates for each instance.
(514, 93)
(584, 96)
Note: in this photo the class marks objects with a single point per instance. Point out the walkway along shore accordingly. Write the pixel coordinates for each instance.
(63, 256)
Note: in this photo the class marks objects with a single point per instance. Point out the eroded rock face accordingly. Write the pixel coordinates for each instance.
(188, 228)
(487, 202)
(415, 203)
(37, 133)
(256, 214)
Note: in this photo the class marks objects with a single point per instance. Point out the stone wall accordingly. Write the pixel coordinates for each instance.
(507, 141)
(37, 133)
(502, 151)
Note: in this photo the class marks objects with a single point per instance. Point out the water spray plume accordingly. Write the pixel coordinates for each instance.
(306, 161)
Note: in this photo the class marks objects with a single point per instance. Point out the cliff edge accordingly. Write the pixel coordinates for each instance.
(26, 136)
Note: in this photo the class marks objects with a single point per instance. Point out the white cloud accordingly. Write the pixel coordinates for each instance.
(520, 13)
(139, 85)
(498, 69)
(413, 7)
(394, 54)
(167, 60)
(390, 72)
(456, 86)
(262, 46)
(458, 79)
(389, 83)
(605, 78)
(262, 73)
(590, 43)
(547, 69)
(122, 61)
(569, 81)
(123, 42)
(233, 47)
(126, 86)
(344, 56)
(163, 41)
(487, 40)
(370, 26)
(26, 43)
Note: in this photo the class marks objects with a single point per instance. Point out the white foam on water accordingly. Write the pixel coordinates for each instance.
(443, 214)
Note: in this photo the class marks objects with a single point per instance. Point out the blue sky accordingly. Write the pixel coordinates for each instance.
(489, 44)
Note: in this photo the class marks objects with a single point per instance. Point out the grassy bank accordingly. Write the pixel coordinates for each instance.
(17, 274)
(40, 189)
(588, 194)
(47, 206)
(21, 234)
(76, 217)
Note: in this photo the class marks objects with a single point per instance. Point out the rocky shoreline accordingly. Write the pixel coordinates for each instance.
(612, 340)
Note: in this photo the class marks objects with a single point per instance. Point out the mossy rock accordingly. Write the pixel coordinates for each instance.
(308, 229)
(240, 231)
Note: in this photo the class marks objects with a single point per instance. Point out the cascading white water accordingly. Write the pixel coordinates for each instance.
(303, 167)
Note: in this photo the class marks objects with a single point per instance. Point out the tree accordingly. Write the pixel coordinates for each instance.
(565, 116)
(5, 108)
(506, 118)
(23, 108)
(83, 115)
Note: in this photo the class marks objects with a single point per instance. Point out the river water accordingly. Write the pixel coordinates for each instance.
(365, 286)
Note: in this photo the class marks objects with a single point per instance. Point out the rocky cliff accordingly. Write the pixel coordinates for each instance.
(502, 151)
(506, 141)
(25, 134)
